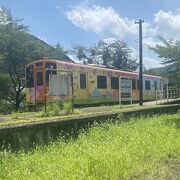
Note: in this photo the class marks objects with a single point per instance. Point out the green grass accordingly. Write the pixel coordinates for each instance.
(145, 148)
(21, 118)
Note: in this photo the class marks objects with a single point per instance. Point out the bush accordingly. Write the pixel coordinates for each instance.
(15, 115)
(56, 108)
(67, 106)
(59, 103)
(6, 108)
(52, 109)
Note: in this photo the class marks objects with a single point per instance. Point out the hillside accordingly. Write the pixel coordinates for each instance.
(161, 71)
(48, 50)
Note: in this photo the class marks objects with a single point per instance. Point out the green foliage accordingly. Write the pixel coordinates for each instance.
(5, 86)
(17, 49)
(137, 149)
(52, 109)
(55, 109)
(169, 51)
(59, 103)
(15, 115)
(5, 108)
(78, 112)
(115, 54)
(67, 106)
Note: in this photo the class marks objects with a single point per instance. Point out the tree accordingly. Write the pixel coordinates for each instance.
(121, 55)
(18, 48)
(104, 51)
(116, 54)
(6, 94)
(84, 54)
(13, 52)
(169, 50)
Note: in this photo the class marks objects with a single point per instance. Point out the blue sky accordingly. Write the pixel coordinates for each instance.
(88, 21)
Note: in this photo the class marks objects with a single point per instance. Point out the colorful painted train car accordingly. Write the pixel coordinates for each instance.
(50, 80)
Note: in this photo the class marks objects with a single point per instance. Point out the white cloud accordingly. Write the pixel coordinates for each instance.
(148, 30)
(4, 20)
(42, 38)
(168, 24)
(151, 41)
(151, 62)
(148, 61)
(134, 53)
(110, 25)
(102, 21)
(110, 40)
(107, 22)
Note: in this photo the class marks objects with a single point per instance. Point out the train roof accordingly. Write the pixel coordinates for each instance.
(96, 66)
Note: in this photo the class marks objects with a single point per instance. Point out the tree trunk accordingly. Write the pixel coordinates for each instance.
(17, 102)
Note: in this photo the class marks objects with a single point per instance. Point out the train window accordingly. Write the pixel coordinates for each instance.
(155, 85)
(114, 83)
(160, 86)
(133, 84)
(147, 85)
(101, 82)
(138, 85)
(83, 81)
(39, 64)
(39, 76)
(48, 72)
(29, 77)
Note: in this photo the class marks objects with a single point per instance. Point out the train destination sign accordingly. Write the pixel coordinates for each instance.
(125, 89)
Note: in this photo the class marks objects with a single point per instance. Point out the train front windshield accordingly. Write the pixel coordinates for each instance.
(30, 77)
(48, 72)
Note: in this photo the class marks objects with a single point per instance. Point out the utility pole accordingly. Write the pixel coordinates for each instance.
(140, 63)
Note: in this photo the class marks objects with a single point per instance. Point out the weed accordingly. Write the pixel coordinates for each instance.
(52, 109)
(59, 103)
(67, 106)
(144, 148)
(15, 115)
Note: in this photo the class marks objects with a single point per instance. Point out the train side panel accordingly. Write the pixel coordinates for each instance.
(91, 85)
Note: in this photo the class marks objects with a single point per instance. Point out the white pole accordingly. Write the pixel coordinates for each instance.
(156, 97)
(119, 90)
(167, 93)
(131, 91)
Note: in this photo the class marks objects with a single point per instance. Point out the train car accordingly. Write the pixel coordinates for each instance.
(49, 80)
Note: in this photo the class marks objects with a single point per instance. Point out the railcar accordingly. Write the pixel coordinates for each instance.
(49, 80)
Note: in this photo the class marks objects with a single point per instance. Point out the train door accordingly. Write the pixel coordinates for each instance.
(60, 85)
(39, 86)
(83, 88)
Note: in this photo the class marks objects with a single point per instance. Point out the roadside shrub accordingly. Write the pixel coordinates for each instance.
(67, 106)
(59, 103)
(6, 108)
(52, 109)
(15, 115)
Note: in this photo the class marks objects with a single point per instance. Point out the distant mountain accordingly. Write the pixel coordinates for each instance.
(48, 50)
(166, 71)
(161, 71)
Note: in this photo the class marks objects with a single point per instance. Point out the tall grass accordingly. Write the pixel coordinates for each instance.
(55, 109)
(145, 148)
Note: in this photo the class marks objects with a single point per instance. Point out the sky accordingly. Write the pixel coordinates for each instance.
(85, 22)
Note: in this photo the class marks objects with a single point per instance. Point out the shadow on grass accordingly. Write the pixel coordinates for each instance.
(173, 122)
